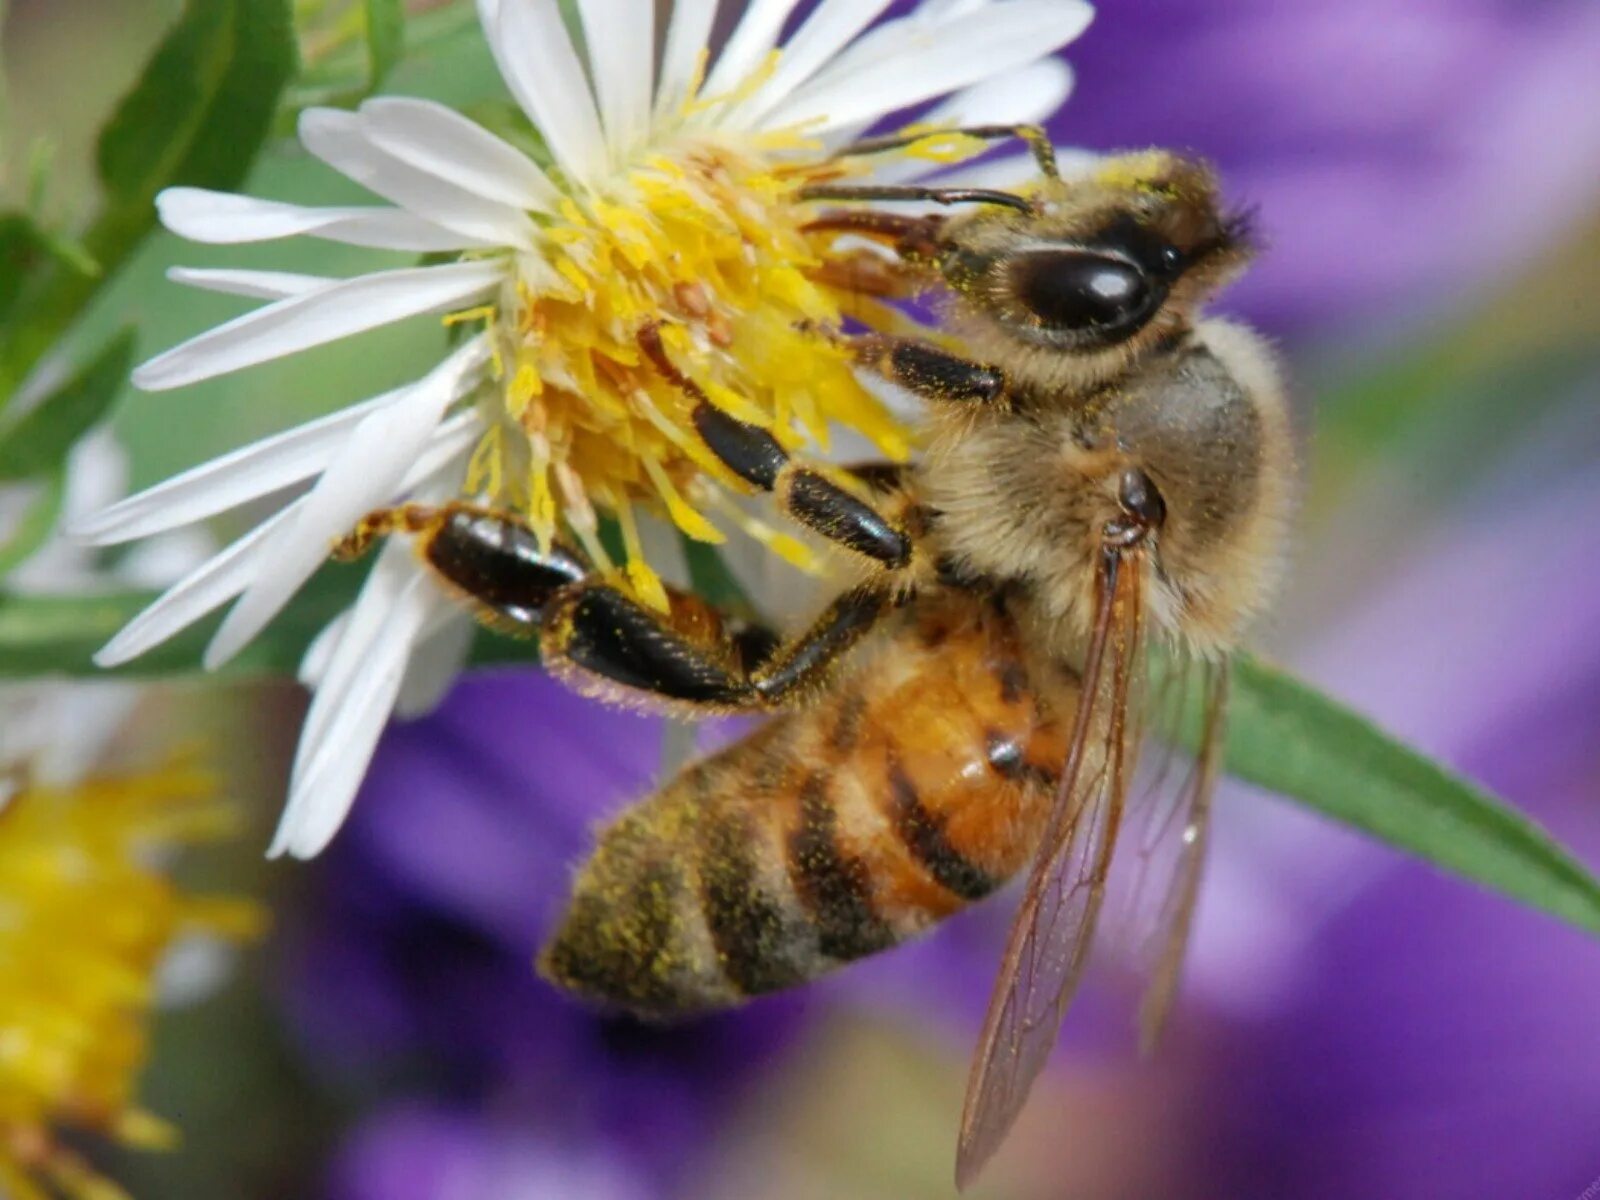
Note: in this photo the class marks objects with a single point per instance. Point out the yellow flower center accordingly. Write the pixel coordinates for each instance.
(85, 921)
(706, 241)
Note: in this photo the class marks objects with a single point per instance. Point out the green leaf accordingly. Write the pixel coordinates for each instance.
(23, 246)
(38, 443)
(203, 103)
(710, 578)
(198, 114)
(37, 524)
(386, 31)
(59, 635)
(1290, 739)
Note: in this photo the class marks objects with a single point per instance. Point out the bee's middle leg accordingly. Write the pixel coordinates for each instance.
(691, 657)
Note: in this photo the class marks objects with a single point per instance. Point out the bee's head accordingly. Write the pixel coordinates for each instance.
(1104, 262)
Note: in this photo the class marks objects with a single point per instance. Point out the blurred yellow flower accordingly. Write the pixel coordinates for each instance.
(87, 916)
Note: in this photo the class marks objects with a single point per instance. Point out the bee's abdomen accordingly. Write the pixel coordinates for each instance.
(918, 785)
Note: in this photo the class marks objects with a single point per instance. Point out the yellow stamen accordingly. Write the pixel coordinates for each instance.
(704, 240)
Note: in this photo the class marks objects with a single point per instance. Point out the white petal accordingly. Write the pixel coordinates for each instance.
(351, 708)
(258, 285)
(191, 598)
(687, 37)
(435, 478)
(223, 218)
(316, 318)
(1024, 97)
(314, 662)
(341, 140)
(942, 10)
(435, 664)
(248, 473)
(1028, 96)
(393, 571)
(826, 31)
(621, 38)
(442, 142)
(369, 467)
(926, 62)
(747, 50)
(543, 72)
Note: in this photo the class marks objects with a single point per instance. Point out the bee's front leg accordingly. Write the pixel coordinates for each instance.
(927, 370)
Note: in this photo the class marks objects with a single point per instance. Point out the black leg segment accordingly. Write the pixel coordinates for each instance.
(604, 633)
(755, 456)
(930, 371)
(749, 451)
(807, 658)
(820, 504)
(498, 562)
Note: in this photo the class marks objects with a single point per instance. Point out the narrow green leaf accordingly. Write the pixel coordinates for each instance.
(59, 635)
(386, 31)
(203, 103)
(200, 111)
(37, 524)
(38, 443)
(710, 578)
(1290, 739)
(23, 247)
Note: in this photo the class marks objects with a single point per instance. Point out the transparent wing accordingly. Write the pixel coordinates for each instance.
(1173, 849)
(1050, 937)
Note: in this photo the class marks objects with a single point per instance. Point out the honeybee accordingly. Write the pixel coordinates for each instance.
(1103, 462)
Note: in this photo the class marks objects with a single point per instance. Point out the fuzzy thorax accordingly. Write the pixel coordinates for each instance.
(1024, 495)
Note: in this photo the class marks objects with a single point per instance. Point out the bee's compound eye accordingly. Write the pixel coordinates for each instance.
(1079, 290)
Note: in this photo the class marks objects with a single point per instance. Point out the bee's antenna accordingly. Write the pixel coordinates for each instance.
(1037, 138)
(934, 195)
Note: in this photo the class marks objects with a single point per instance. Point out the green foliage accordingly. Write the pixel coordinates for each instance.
(1288, 738)
(710, 577)
(59, 635)
(23, 247)
(386, 32)
(37, 523)
(198, 114)
(38, 443)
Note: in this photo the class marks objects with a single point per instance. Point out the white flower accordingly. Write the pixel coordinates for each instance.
(671, 188)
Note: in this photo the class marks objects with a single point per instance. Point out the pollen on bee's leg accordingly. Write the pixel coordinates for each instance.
(404, 518)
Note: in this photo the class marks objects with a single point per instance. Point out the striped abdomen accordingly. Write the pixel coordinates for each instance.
(919, 783)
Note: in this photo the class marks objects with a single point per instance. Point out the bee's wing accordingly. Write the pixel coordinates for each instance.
(1175, 851)
(1050, 937)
